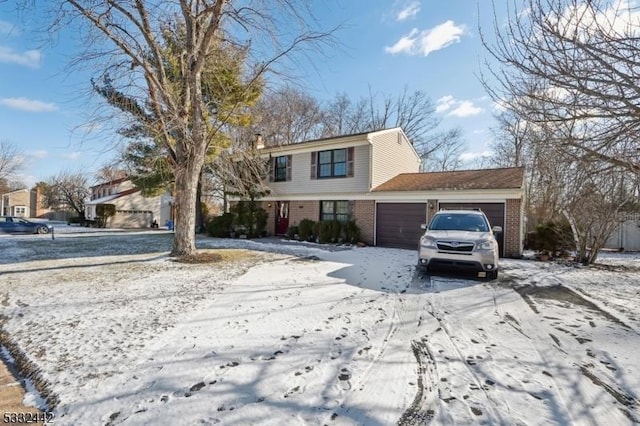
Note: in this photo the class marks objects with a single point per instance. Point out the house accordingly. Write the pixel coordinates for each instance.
(28, 203)
(375, 178)
(133, 209)
(16, 203)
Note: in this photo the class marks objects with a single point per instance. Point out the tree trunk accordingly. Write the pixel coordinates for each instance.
(187, 176)
(199, 215)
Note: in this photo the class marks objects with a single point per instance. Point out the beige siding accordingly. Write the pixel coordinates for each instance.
(136, 202)
(301, 182)
(392, 154)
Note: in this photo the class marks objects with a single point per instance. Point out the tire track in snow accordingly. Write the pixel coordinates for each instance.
(489, 404)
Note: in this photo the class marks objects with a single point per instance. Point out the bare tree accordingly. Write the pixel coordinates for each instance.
(343, 116)
(414, 112)
(66, 191)
(176, 113)
(572, 61)
(288, 115)
(110, 172)
(10, 160)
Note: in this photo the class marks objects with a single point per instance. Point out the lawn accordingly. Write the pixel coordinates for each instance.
(112, 331)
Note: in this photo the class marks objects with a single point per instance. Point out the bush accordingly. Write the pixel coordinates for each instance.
(306, 230)
(221, 226)
(249, 218)
(553, 237)
(351, 232)
(293, 232)
(326, 233)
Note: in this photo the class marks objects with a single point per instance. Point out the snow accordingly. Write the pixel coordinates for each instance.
(309, 334)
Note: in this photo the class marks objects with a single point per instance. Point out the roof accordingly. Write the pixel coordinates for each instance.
(111, 182)
(112, 197)
(326, 140)
(507, 178)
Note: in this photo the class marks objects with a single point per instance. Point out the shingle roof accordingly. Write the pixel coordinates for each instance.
(507, 178)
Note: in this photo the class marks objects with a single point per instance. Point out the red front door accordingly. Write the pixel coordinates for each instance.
(282, 217)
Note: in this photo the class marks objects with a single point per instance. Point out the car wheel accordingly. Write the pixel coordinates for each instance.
(493, 275)
(43, 230)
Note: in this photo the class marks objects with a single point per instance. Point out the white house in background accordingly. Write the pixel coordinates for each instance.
(133, 210)
(627, 234)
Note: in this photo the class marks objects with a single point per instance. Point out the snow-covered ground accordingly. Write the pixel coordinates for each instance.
(295, 334)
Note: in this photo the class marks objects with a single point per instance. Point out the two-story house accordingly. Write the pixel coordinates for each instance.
(375, 179)
(16, 203)
(133, 209)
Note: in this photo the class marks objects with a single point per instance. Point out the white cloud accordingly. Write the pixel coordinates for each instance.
(25, 104)
(425, 42)
(71, 155)
(409, 11)
(28, 58)
(470, 156)
(445, 103)
(457, 108)
(465, 109)
(41, 153)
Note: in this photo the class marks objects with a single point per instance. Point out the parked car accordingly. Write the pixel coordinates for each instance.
(18, 225)
(460, 240)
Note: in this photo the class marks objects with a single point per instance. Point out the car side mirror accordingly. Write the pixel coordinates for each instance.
(496, 229)
(423, 226)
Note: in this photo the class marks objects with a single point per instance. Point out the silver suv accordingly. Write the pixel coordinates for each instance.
(460, 239)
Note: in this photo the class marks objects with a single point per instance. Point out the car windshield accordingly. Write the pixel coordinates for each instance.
(459, 222)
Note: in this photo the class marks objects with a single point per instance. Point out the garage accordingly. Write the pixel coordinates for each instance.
(493, 211)
(131, 219)
(398, 224)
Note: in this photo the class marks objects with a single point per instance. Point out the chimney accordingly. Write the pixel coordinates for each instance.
(259, 142)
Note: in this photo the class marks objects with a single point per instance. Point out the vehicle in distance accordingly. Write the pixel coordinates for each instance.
(18, 225)
(460, 240)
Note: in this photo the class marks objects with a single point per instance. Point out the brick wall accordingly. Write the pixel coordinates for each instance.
(432, 208)
(299, 210)
(270, 208)
(512, 233)
(364, 214)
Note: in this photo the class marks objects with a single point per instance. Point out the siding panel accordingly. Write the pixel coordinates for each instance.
(302, 183)
(392, 155)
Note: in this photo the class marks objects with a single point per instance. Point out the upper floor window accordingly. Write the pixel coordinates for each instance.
(281, 168)
(332, 163)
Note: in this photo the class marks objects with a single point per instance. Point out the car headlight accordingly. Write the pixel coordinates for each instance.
(428, 243)
(485, 245)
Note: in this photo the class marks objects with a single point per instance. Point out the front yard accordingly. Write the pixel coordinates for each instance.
(113, 331)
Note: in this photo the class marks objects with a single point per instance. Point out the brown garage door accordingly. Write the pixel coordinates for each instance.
(398, 224)
(493, 211)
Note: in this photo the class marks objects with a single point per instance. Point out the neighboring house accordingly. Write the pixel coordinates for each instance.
(26, 203)
(16, 203)
(133, 210)
(626, 235)
(375, 179)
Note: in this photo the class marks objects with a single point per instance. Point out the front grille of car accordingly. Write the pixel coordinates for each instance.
(455, 246)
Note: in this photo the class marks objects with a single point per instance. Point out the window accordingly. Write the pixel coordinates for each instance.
(332, 163)
(20, 211)
(281, 168)
(280, 172)
(335, 210)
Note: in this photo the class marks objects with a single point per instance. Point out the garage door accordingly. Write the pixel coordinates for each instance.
(398, 224)
(493, 211)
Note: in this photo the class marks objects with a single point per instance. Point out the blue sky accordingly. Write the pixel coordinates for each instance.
(428, 45)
